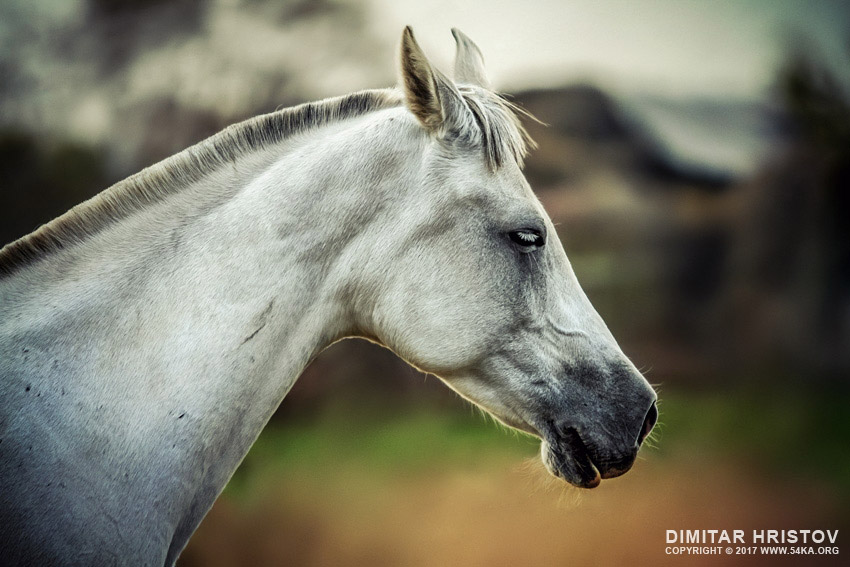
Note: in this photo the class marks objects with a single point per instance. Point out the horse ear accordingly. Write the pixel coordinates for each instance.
(469, 63)
(430, 95)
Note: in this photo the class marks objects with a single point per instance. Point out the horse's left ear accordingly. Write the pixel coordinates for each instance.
(431, 97)
(469, 63)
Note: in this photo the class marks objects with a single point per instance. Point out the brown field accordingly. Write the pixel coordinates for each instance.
(501, 511)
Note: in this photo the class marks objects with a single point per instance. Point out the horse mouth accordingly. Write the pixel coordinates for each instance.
(566, 456)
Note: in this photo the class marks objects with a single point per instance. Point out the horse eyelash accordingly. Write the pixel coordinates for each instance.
(527, 238)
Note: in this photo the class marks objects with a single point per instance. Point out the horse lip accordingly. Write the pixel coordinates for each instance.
(619, 468)
(571, 459)
(581, 458)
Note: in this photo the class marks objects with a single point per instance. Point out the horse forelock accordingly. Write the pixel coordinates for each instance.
(497, 126)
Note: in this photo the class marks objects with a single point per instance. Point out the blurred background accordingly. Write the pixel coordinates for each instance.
(696, 160)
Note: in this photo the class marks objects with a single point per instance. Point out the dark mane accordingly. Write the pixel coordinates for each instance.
(496, 128)
(182, 169)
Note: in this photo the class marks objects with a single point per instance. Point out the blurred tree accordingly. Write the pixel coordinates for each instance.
(118, 6)
(40, 183)
(124, 29)
(791, 276)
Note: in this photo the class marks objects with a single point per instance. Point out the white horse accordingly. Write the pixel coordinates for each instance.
(147, 335)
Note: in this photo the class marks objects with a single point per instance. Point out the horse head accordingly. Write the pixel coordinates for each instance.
(479, 291)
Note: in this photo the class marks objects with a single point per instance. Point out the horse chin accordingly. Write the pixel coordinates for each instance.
(572, 463)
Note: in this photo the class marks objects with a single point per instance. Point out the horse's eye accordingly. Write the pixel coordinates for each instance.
(528, 239)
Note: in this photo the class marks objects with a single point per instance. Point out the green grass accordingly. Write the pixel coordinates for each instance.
(799, 434)
(787, 432)
(411, 443)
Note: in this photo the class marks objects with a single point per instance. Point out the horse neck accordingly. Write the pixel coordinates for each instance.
(268, 247)
(181, 333)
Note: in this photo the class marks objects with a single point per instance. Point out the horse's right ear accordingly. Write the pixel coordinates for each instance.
(429, 94)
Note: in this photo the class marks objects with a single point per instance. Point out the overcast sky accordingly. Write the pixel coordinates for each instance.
(673, 47)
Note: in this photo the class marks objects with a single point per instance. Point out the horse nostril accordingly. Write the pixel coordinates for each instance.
(648, 423)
